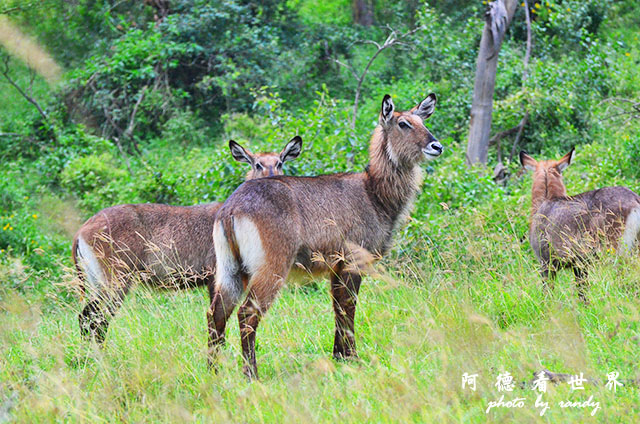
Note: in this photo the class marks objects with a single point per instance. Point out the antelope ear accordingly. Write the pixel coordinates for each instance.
(565, 161)
(527, 161)
(386, 114)
(426, 107)
(239, 153)
(292, 149)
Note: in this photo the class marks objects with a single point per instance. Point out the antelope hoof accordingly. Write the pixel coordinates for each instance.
(584, 299)
(342, 356)
(250, 372)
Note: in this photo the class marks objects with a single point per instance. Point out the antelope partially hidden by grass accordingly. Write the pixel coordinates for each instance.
(268, 226)
(163, 245)
(566, 231)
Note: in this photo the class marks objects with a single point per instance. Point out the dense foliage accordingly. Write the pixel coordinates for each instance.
(146, 107)
(144, 101)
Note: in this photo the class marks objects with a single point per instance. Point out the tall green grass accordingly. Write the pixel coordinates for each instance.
(474, 305)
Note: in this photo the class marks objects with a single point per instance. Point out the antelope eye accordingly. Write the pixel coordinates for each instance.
(279, 165)
(404, 125)
(259, 167)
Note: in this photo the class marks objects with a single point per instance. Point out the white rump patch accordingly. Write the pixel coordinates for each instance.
(631, 231)
(226, 266)
(93, 271)
(249, 244)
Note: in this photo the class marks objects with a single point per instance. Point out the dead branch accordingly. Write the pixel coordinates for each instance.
(525, 69)
(527, 54)
(27, 94)
(518, 129)
(116, 138)
(132, 121)
(627, 109)
(497, 20)
(516, 142)
(393, 39)
(502, 134)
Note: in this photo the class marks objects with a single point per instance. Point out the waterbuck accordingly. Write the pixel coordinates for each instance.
(268, 226)
(163, 245)
(567, 231)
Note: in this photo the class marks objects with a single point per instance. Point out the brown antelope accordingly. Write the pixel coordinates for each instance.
(566, 231)
(269, 225)
(170, 246)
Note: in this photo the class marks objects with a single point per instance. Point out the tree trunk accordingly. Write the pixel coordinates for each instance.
(497, 22)
(363, 12)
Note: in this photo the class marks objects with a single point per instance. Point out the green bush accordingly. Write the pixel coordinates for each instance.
(90, 178)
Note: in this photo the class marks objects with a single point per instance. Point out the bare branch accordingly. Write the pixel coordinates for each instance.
(124, 155)
(127, 133)
(621, 100)
(502, 134)
(518, 130)
(412, 31)
(116, 138)
(624, 108)
(27, 95)
(525, 70)
(527, 54)
(132, 121)
(392, 39)
(516, 142)
(348, 66)
(111, 122)
(367, 42)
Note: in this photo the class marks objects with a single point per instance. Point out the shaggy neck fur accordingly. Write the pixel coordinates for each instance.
(547, 185)
(393, 184)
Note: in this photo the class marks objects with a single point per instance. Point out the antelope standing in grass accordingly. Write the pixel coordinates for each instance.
(166, 246)
(566, 231)
(269, 225)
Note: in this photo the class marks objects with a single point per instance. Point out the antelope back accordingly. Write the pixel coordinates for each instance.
(571, 227)
(160, 240)
(323, 223)
(299, 218)
(547, 178)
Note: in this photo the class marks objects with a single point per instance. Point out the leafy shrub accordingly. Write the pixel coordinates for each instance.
(566, 23)
(89, 177)
(184, 127)
(72, 28)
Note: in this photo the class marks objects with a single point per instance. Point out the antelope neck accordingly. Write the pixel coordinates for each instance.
(393, 186)
(552, 190)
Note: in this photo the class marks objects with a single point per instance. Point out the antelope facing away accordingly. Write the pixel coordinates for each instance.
(567, 231)
(166, 246)
(270, 225)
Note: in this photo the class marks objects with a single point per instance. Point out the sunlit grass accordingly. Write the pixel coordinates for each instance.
(481, 310)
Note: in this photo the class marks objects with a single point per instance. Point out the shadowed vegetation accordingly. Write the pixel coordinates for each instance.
(144, 112)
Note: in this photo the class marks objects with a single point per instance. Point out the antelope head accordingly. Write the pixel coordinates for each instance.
(266, 164)
(547, 177)
(408, 139)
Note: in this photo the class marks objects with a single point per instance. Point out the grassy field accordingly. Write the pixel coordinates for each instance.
(458, 293)
(475, 304)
